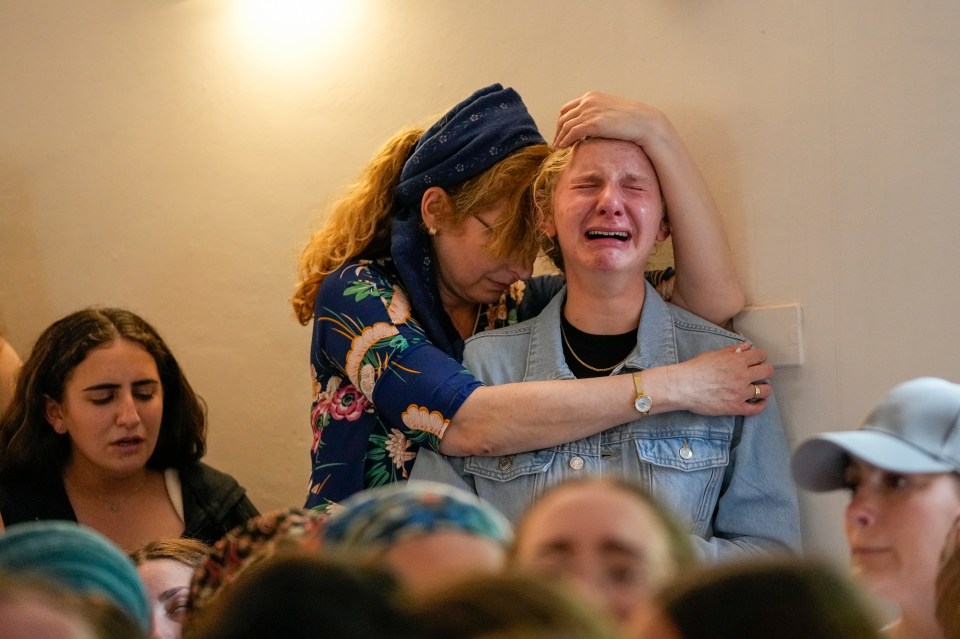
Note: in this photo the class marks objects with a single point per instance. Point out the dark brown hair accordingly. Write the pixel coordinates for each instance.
(509, 606)
(28, 444)
(784, 598)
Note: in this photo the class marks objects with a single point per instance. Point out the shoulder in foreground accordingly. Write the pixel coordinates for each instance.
(687, 321)
(360, 270)
(202, 474)
(365, 267)
(485, 339)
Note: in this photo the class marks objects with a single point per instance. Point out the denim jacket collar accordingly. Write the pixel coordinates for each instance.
(546, 359)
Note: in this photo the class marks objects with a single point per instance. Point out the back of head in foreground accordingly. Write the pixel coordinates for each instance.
(301, 596)
(79, 560)
(37, 609)
(787, 599)
(250, 543)
(509, 606)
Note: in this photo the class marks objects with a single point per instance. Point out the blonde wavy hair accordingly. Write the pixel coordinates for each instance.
(543, 190)
(358, 225)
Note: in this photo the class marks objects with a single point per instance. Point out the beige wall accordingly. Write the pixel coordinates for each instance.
(158, 156)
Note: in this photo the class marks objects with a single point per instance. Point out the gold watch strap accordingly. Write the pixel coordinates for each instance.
(638, 384)
(643, 403)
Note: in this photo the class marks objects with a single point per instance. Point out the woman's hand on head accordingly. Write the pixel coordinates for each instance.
(602, 115)
(728, 381)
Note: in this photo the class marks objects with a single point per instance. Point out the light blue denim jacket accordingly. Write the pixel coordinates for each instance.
(726, 477)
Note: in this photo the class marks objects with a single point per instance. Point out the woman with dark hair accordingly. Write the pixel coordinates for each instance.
(104, 429)
(509, 606)
(786, 598)
(299, 595)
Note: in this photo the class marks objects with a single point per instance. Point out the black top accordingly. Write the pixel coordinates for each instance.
(598, 351)
(213, 502)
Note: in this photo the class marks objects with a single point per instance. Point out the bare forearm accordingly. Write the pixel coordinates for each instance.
(518, 417)
(512, 418)
(706, 281)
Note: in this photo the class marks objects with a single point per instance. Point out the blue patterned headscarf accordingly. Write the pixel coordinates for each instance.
(380, 517)
(469, 139)
(472, 137)
(78, 558)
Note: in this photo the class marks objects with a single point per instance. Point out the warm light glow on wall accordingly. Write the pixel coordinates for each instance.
(292, 31)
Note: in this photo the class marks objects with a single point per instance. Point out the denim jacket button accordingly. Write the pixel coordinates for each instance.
(576, 463)
(505, 463)
(685, 451)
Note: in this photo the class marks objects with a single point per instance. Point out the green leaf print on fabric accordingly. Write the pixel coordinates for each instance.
(361, 289)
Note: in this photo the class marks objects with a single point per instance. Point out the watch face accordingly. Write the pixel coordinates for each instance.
(643, 404)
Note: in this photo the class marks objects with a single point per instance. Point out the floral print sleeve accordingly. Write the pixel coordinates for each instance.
(380, 388)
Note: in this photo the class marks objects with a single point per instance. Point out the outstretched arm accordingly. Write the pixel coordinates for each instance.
(380, 382)
(706, 281)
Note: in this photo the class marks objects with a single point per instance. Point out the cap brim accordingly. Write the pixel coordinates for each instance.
(819, 463)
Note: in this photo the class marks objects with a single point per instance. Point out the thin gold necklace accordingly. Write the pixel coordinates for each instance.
(114, 506)
(563, 334)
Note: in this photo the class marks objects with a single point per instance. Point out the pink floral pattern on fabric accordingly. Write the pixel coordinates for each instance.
(381, 389)
(369, 360)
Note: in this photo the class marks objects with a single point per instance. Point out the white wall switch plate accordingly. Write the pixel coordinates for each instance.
(777, 329)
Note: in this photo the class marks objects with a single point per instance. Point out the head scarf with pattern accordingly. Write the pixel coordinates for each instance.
(377, 518)
(250, 543)
(472, 137)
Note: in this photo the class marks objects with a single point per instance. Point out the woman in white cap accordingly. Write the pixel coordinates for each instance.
(902, 469)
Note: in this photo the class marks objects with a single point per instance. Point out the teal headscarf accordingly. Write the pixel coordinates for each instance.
(78, 558)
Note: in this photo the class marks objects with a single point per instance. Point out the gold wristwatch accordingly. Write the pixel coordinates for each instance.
(643, 403)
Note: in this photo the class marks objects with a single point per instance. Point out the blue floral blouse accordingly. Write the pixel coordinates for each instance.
(381, 389)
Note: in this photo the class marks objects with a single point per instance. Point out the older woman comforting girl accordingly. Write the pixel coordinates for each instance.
(435, 242)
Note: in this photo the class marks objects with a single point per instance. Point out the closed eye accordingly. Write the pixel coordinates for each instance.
(145, 390)
(102, 400)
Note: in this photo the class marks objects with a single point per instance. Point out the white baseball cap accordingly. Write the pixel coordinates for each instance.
(915, 428)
